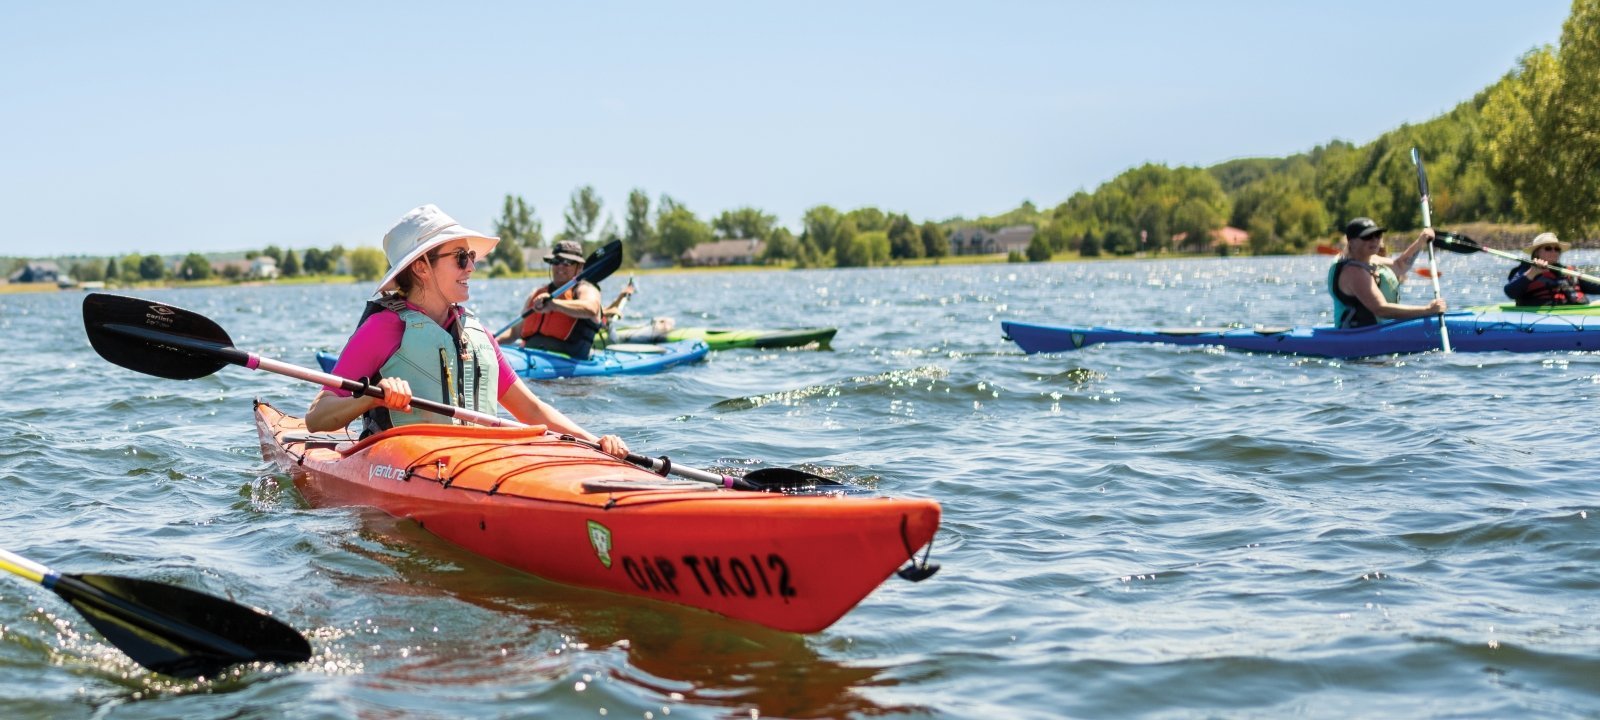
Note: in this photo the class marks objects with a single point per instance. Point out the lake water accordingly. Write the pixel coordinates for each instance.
(1129, 531)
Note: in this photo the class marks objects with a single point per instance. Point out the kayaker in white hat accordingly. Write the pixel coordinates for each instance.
(1533, 282)
(1366, 286)
(566, 324)
(416, 339)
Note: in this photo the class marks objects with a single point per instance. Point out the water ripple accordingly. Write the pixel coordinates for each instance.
(1128, 531)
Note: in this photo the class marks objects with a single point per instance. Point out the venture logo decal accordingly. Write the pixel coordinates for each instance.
(387, 472)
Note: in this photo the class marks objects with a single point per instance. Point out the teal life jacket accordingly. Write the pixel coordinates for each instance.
(1388, 286)
(455, 367)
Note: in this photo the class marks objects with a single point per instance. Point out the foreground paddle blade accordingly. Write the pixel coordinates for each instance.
(176, 631)
(154, 338)
(780, 479)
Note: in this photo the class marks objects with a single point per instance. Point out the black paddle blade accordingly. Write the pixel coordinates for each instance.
(176, 631)
(1455, 243)
(155, 338)
(786, 479)
(1422, 174)
(602, 262)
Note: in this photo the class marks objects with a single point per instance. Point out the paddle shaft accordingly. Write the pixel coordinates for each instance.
(1427, 222)
(622, 302)
(1513, 256)
(18, 565)
(256, 362)
(613, 314)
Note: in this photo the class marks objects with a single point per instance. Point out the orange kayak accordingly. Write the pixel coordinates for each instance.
(571, 514)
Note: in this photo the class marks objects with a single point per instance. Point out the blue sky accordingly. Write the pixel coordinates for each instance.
(176, 126)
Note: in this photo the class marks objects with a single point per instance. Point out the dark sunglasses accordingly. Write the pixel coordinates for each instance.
(464, 257)
(563, 262)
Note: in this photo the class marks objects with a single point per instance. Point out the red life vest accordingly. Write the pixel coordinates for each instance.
(552, 330)
(1551, 288)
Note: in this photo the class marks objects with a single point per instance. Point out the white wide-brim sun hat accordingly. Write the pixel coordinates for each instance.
(421, 230)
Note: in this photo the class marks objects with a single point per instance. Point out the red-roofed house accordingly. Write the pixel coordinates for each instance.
(1230, 237)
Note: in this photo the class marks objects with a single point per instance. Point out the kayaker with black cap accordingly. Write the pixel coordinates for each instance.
(1533, 282)
(1366, 285)
(565, 324)
(417, 339)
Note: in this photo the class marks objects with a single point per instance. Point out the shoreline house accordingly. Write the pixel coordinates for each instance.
(236, 268)
(1230, 237)
(740, 251)
(263, 267)
(978, 241)
(38, 271)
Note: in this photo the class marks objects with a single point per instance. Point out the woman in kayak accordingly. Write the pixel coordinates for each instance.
(1391, 271)
(1366, 285)
(566, 324)
(1534, 282)
(417, 339)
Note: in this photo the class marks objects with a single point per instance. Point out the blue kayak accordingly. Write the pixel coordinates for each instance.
(541, 365)
(1469, 332)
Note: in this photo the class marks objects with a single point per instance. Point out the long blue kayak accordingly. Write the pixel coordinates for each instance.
(1469, 332)
(634, 360)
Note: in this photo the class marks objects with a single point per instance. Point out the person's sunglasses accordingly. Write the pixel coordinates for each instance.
(562, 262)
(464, 257)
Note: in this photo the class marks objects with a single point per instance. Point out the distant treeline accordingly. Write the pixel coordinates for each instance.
(860, 237)
(365, 263)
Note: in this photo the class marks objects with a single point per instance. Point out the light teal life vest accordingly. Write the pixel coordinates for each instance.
(438, 369)
(1388, 285)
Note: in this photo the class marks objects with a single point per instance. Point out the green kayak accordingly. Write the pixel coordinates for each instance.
(720, 339)
(1589, 309)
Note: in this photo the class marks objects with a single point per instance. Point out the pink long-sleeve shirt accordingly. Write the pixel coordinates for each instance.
(379, 337)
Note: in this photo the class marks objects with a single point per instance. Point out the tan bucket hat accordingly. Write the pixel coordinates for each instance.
(1543, 239)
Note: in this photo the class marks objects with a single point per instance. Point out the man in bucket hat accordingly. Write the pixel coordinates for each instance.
(1366, 285)
(1536, 282)
(565, 324)
(417, 340)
